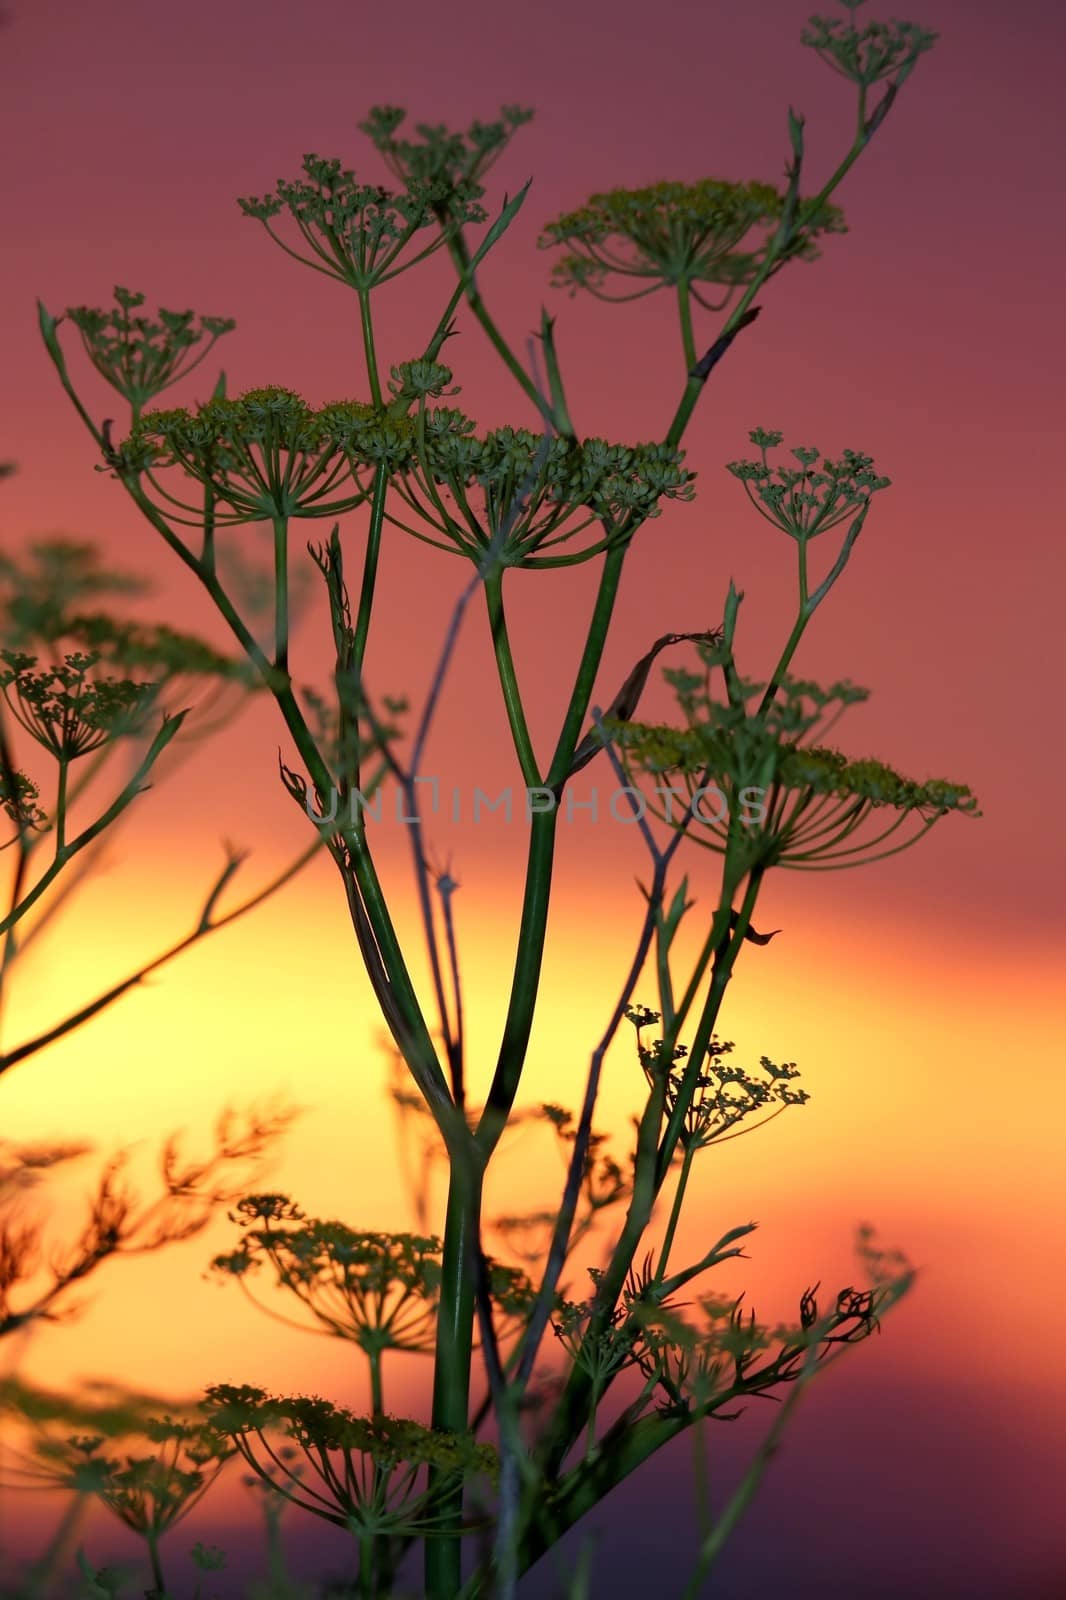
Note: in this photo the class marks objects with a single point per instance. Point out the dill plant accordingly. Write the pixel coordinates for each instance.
(406, 460)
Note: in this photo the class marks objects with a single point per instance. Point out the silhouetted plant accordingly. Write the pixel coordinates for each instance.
(516, 497)
(119, 1222)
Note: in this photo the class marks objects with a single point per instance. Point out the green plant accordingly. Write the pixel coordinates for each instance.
(38, 1285)
(519, 498)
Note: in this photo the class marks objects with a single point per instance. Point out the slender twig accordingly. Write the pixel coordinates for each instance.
(206, 924)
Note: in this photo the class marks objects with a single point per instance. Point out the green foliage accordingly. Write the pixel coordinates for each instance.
(268, 455)
(265, 455)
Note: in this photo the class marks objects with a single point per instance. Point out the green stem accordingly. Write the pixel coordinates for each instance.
(533, 927)
(722, 1530)
(653, 1164)
(370, 567)
(791, 646)
(688, 998)
(158, 1580)
(725, 960)
(618, 1456)
(461, 258)
(590, 1433)
(86, 837)
(426, 1067)
(368, 345)
(373, 1551)
(452, 1359)
(281, 594)
(688, 340)
(512, 695)
(675, 1212)
(61, 805)
(45, 1569)
(771, 263)
(377, 1395)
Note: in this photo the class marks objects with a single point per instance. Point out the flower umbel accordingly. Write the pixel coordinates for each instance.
(138, 357)
(67, 709)
(729, 1355)
(807, 500)
(710, 232)
(368, 1471)
(449, 166)
(867, 55)
(725, 1095)
(526, 495)
(355, 232)
(749, 781)
(377, 1289)
(150, 1492)
(266, 455)
(18, 799)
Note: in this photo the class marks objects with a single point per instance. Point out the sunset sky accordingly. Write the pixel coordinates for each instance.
(922, 997)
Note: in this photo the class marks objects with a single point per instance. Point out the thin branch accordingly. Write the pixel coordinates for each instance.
(206, 924)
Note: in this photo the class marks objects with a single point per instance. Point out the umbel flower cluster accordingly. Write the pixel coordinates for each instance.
(268, 455)
(727, 1354)
(357, 232)
(743, 760)
(869, 54)
(802, 806)
(725, 1094)
(151, 1486)
(810, 499)
(366, 1475)
(438, 156)
(673, 233)
(66, 708)
(138, 357)
(19, 797)
(377, 1289)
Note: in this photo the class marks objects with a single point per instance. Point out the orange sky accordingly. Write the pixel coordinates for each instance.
(920, 997)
